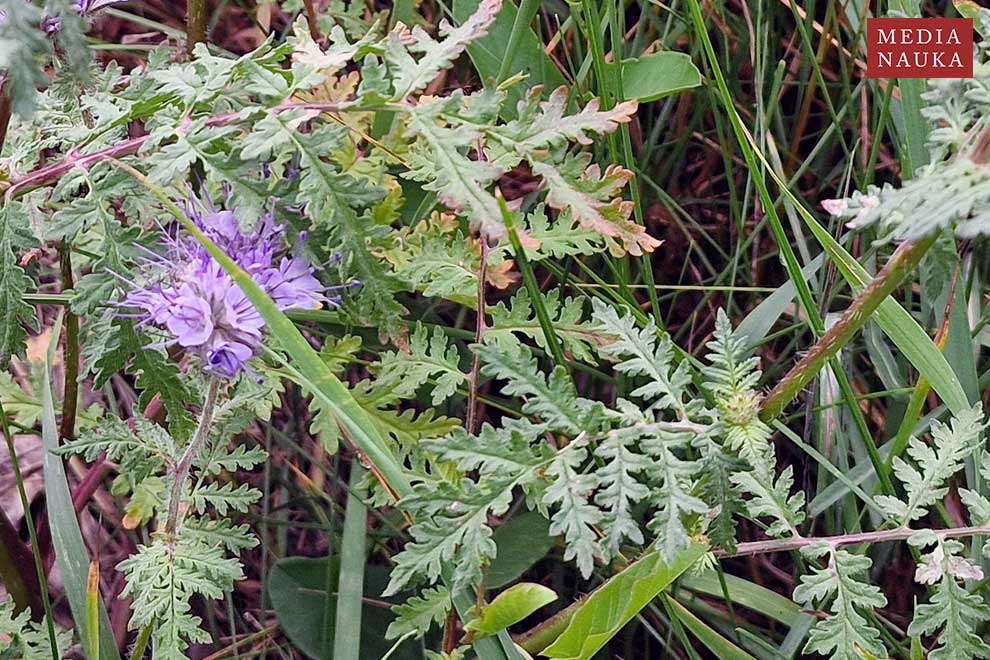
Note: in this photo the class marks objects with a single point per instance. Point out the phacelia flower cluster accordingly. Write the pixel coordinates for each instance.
(188, 294)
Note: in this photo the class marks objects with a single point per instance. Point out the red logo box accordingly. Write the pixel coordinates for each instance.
(919, 48)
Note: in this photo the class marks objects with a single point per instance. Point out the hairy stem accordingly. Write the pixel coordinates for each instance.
(796, 543)
(907, 255)
(51, 173)
(4, 110)
(196, 17)
(181, 471)
(479, 335)
(310, 12)
(70, 387)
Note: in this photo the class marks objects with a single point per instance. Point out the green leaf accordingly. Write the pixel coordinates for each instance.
(164, 577)
(518, 319)
(720, 646)
(620, 488)
(546, 124)
(655, 76)
(353, 564)
(954, 612)
(420, 613)
(553, 399)
(509, 607)
(429, 356)
(614, 604)
(592, 197)
(639, 353)
(412, 75)
(14, 283)
(439, 159)
(936, 463)
(745, 593)
(576, 517)
(70, 550)
(489, 52)
(522, 541)
(845, 633)
(298, 595)
(22, 638)
(772, 498)
(452, 528)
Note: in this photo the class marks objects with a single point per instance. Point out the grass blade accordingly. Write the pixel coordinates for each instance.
(350, 586)
(92, 643)
(70, 550)
(713, 641)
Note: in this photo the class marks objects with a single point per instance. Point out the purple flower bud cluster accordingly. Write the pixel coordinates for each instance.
(53, 24)
(188, 293)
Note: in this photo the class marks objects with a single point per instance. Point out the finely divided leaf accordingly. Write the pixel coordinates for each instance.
(844, 634)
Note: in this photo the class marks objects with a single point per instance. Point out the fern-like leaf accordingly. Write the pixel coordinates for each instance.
(772, 498)
(641, 353)
(453, 529)
(429, 356)
(954, 613)
(575, 517)
(844, 634)
(518, 319)
(411, 75)
(591, 197)
(420, 613)
(925, 484)
(620, 488)
(674, 492)
(15, 314)
(553, 399)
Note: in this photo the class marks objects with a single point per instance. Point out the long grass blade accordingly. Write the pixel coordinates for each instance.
(350, 587)
(70, 550)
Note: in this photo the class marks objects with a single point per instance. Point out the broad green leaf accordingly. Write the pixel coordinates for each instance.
(720, 646)
(70, 550)
(297, 587)
(509, 607)
(655, 76)
(528, 57)
(615, 603)
(521, 542)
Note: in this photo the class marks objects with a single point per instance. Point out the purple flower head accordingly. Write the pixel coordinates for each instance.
(51, 24)
(188, 294)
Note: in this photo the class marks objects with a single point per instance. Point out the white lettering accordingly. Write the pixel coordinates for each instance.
(887, 37)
